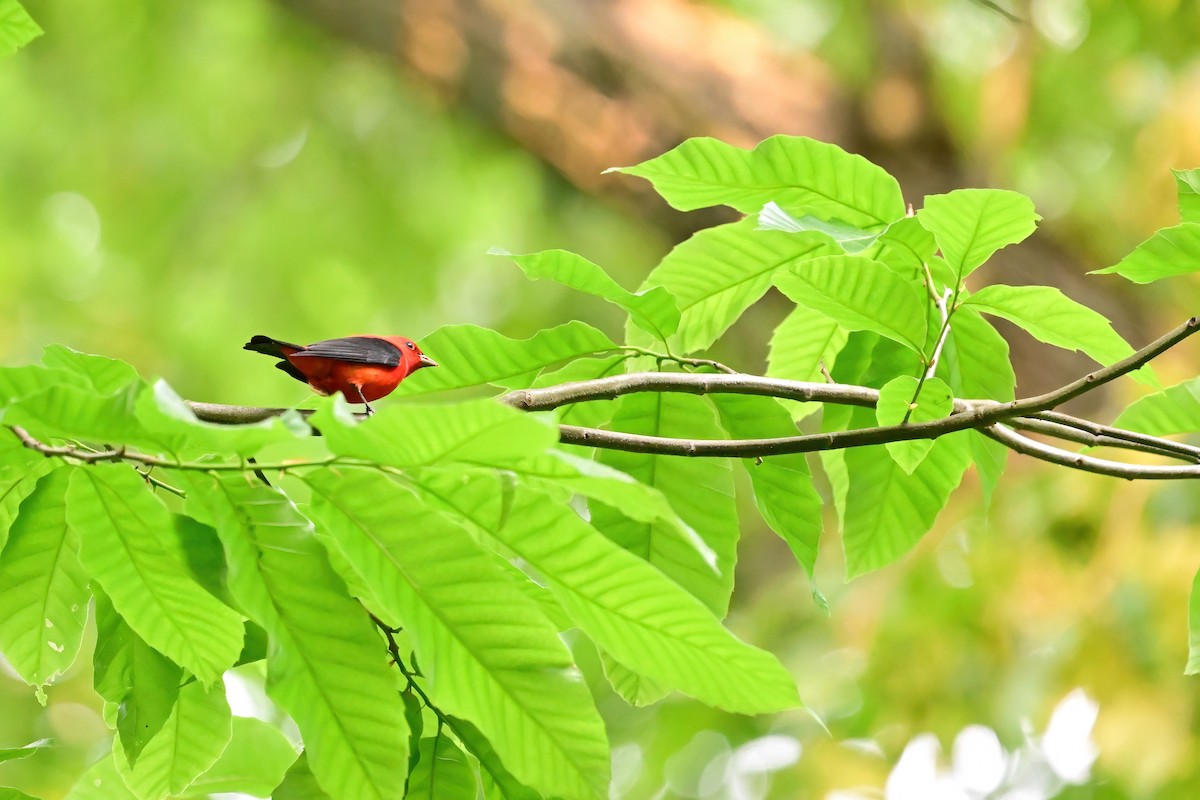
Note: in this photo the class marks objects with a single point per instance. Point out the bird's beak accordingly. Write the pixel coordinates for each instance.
(426, 361)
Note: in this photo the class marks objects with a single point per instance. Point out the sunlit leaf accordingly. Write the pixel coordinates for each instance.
(491, 768)
(849, 238)
(972, 224)
(254, 762)
(1169, 252)
(301, 784)
(105, 375)
(43, 587)
(119, 523)
(642, 619)
(904, 247)
(860, 295)
(1052, 317)
(481, 432)
(783, 487)
(189, 742)
(800, 174)
(699, 489)
(1193, 662)
(9, 793)
(899, 403)
(489, 654)
(442, 772)
(468, 355)
(653, 310)
(1175, 409)
(17, 28)
(593, 414)
(720, 272)
(25, 751)
(1187, 181)
(805, 341)
(326, 665)
(101, 781)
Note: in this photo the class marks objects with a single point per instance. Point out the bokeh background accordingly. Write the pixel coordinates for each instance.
(175, 177)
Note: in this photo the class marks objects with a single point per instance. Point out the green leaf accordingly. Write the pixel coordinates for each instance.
(1188, 183)
(74, 412)
(490, 655)
(101, 781)
(301, 784)
(120, 525)
(860, 295)
(189, 743)
(17, 28)
(972, 224)
(168, 418)
(139, 681)
(490, 765)
(43, 587)
(783, 487)
(442, 772)
(1052, 317)
(847, 237)
(1193, 662)
(905, 247)
(468, 355)
(800, 345)
(480, 432)
(653, 310)
(105, 375)
(18, 382)
(699, 489)
(254, 762)
(800, 174)
(9, 793)
(887, 511)
(975, 363)
(720, 272)
(25, 751)
(1175, 409)
(326, 664)
(629, 608)
(1169, 252)
(899, 402)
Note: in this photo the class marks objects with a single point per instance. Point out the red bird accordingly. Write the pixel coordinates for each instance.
(363, 368)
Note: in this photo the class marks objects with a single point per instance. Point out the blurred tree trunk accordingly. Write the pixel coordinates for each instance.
(590, 84)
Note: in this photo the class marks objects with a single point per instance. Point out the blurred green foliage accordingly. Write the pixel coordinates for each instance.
(179, 176)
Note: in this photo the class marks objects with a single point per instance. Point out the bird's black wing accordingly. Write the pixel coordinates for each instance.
(356, 350)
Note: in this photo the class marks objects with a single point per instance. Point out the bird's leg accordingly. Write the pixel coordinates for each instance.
(363, 397)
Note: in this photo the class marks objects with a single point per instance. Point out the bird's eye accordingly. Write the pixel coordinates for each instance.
(410, 345)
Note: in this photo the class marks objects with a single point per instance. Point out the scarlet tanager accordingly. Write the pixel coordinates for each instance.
(363, 368)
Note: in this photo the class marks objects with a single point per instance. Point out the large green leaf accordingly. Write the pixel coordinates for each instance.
(481, 432)
(899, 402)
(105, 375)
(653, 310)
(254, 762)
(860, 295)
(101, 781)
(167, 417)
(489, 654)
(17, 28)
(699, 489)
(972, 224)
(805, 341)
(77, 412)
(326, 665)
(1187, 181)
(800, 174)
(1052, 317)
(20, 469)
(491, 768)
(18, 382)
(442, 772)
(120, 526)
(43, 587)
(9, 793)
(720, 272)
(975, 363)
(847, 237)
(189, 742)
(140, 683)
(1175, 409)
(1169, 252)
(629, 608)
(25, 751)
(468, 355)
(887, 511)
(592, 414)
(905, 247)
(301, 784)
(783, 487)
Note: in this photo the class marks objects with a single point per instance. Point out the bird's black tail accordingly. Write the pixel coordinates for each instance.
(275, 348)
